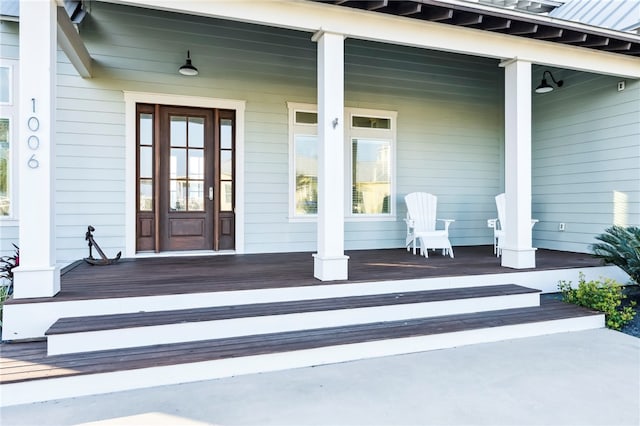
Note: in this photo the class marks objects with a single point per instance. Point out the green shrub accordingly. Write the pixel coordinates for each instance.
(604, 296)
(620, 246)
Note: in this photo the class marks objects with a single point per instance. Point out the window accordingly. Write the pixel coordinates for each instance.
(8, 115)
(369, 164)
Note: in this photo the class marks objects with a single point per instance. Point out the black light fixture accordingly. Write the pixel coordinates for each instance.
(545, 87)
(188, 68)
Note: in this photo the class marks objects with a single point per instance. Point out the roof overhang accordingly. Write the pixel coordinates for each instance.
(399, 28)
(504, 21)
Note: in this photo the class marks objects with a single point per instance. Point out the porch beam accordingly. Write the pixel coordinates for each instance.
(386, 28)
(72, 45)
(330, 263)
(37, 275)
(517, 251)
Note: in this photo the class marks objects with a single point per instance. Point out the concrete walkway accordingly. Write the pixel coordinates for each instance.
(582, 378)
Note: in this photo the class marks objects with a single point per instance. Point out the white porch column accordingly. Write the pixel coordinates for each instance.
(37, 275)
(330, 263)
(517, 251)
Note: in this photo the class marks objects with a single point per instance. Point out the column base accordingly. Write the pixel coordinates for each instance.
(330, 268)
(35, 282)
(519, 259)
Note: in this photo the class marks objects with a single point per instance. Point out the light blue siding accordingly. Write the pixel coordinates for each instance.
(586, 160)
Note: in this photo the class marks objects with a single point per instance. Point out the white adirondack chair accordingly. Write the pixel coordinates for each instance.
(498, 224)
(421, 225)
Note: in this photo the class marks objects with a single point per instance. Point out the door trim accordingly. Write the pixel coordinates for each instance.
(133, 98)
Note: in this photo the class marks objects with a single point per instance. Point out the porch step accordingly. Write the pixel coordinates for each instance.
(103, 332)
(30, 375)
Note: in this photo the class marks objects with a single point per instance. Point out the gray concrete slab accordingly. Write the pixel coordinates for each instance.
(582, 378)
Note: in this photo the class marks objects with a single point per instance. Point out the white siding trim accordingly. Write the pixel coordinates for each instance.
(131, 99)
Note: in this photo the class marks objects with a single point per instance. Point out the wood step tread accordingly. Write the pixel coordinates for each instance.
(23, 365)
(156, 318)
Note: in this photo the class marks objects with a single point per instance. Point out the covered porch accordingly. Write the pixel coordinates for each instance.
(239, 314)
(157, 276)
(463, 135)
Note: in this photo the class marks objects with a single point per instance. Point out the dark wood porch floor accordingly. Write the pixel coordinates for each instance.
(180, 275)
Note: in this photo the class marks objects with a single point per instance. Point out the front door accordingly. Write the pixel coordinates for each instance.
(185, 179)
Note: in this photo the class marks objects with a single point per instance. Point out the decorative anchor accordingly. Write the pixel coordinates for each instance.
(105, 260)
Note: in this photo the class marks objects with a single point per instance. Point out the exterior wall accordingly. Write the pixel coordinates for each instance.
(449, 123)
(8, 50)
(586, 157)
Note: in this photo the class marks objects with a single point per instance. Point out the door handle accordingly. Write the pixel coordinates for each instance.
(211, 193)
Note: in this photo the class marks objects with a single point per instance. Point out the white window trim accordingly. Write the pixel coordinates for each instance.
(350, 133)
(10, 110)
(133, 98)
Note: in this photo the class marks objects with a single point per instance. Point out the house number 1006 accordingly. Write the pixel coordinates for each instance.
(33, 141)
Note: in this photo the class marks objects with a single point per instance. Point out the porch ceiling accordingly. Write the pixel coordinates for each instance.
(500, 20)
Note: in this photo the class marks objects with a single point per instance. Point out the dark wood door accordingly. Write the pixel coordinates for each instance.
(186, 178)
(187, 158)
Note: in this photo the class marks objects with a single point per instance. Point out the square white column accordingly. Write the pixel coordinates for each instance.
(330, 263)
(37, 275)
(517, 251)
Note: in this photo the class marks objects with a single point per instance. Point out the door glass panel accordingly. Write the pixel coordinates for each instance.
(226, 134)
(226, 165)
(178, 131)
(196, 196)
(178, 195)
(146, 195)
(146, 129)
(196, 164)
(226, 196)
(178, 163)
(196, 132)
(146, 162)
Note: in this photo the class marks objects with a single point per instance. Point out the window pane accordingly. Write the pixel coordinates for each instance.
(146, 195)
(178, 163)
(178, 195)
(196, 164)
(196, 196)
(146, 129)
(370, 176)
(146, 162)
(226, 196)
(196, 132)
(371, 122)
(226, 134)
(5, 85)
(178, 131)
(306, 157)
(226, 165)
(5, 168)
(303, 117)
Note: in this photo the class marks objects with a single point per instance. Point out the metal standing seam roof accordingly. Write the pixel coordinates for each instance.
(621, 15)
